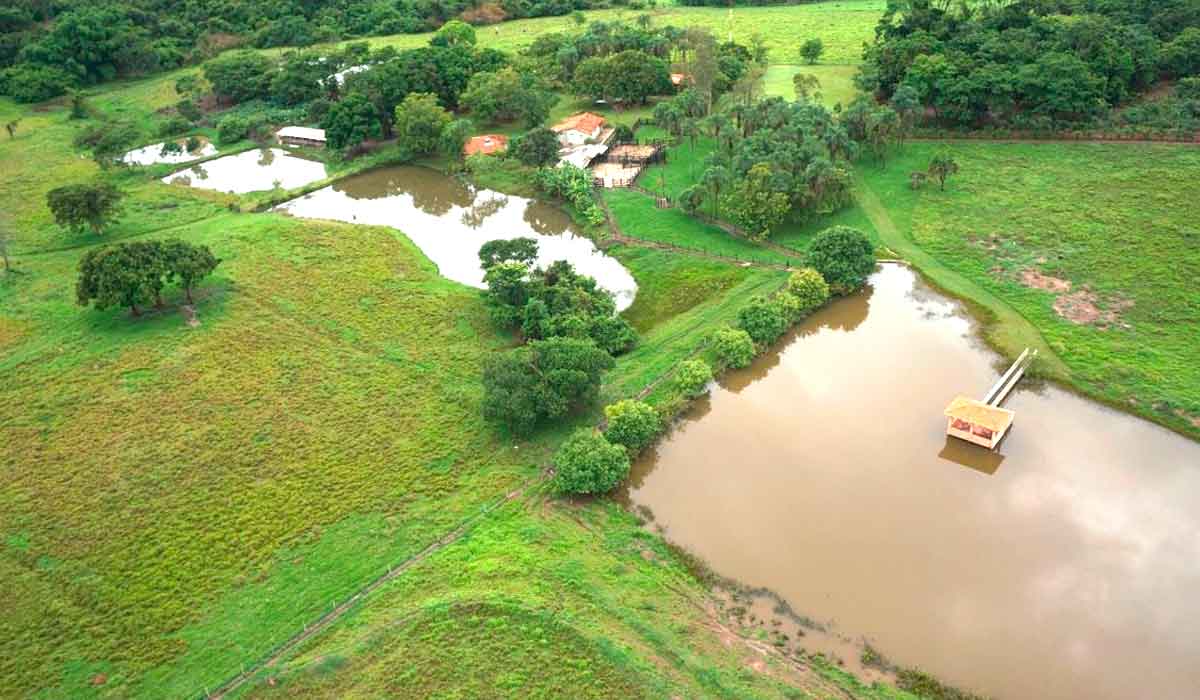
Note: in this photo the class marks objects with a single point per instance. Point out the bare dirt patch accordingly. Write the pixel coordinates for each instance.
(1085, 307)
(1036, 280)
(1081, 305)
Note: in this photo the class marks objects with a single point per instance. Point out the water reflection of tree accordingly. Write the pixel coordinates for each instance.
(648, 461)
(546, 219)
(432, 192)
(266, 156)
(842, 315)
(475, 215)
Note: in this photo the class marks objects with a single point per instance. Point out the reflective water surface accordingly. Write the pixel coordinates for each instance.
(251, 171)
(449, 220)
(153, 154)
(1066, 565)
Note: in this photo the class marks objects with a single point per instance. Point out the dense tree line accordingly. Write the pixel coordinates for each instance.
(1029, 62)
(47, 48)
(620, 62)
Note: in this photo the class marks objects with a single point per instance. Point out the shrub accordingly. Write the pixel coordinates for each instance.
(632, 424)
(734, 347)
(843, 256)
(589, 464)
(232, 129)
(809, 288)
(692, 377)
(763, 320)
(788, 305)
(172, 126)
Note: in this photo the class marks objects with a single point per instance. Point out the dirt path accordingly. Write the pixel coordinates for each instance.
(320, 624)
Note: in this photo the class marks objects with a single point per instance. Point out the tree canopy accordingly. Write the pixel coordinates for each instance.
(843, 256)
(588, 464)
(1029, 63)
(541, 381)
(91, 206)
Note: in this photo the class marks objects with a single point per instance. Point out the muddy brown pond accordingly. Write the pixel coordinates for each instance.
(1065, 565)
(449, 220)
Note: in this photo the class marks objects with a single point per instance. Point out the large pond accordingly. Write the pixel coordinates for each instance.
(251, 171)
(449, 220)
(1067, 565)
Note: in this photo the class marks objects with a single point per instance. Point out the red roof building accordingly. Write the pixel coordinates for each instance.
(486, 144)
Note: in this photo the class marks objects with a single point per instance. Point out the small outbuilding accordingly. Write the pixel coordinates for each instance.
(977, 422)
(680, 79)
(487, 144)
(301, 136)
(581, 156)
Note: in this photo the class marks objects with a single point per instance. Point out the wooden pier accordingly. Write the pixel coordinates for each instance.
(984, 422)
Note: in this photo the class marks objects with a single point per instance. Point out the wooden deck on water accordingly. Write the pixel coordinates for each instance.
(984, 422)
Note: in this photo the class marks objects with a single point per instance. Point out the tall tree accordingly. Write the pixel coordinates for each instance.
(188, 264)
(811, 50)
(942, 167)
(454, 138)
(757, 203)
(419, 123)
(90, 205)
(117, 276)
(349, 122)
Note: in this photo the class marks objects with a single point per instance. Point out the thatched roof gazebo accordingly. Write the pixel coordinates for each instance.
(977, 422)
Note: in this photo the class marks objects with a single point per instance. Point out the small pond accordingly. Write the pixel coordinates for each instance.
(449, 220)
(1066, 565)
(251, 171)
(154, 153)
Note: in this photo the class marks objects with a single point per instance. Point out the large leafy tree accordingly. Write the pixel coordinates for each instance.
(506, 95)
(127, 274)
(587, 463)
(627, 76)
(542, 381)
(757, 203)
(188, 264)
(240, 76)
(350, 121)
(537, 147)
(91, 206)
(843, 256)
(632, 424)
(419, 122)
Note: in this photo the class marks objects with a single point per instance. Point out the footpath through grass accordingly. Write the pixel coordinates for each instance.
(1021, 222)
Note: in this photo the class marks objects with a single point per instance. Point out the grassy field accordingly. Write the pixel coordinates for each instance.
(546, 600)
(176, 501)
(837, 82)
(1116, 222)
(638, 217)
(843, 25)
